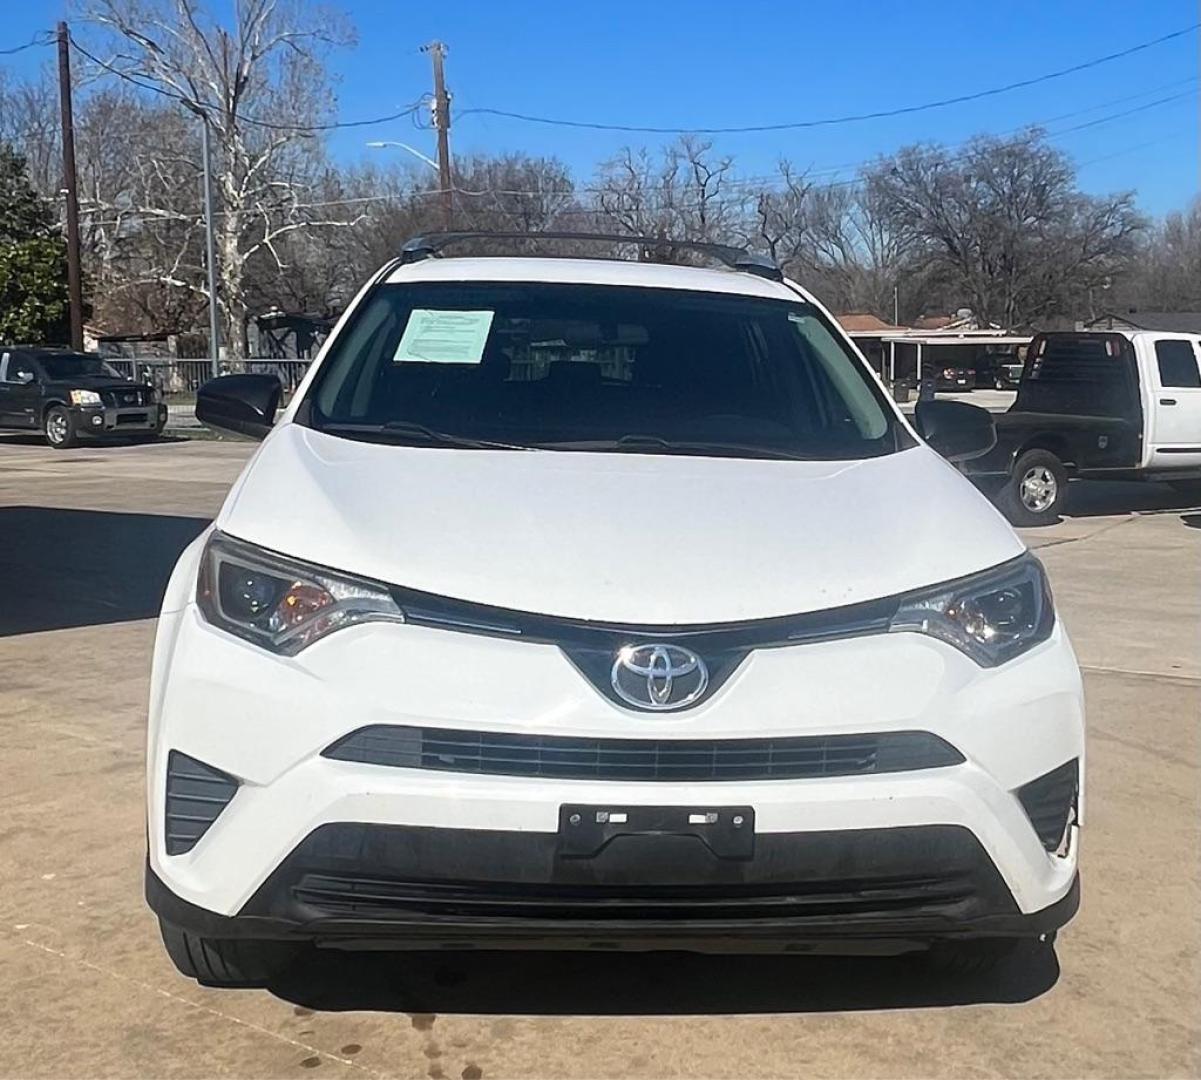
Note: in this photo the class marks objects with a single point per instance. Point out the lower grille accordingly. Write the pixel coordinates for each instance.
(196, 795)
(132, 418)
(346, 895)
(680, 760)
(1050, 802)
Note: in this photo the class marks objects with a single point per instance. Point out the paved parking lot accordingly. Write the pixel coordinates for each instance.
(87, 538)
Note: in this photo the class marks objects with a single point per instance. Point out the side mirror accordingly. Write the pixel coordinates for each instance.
(955, 429)
(241, 404)
(24, 378)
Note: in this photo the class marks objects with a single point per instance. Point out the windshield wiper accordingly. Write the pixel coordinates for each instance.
(683, 446)
(410, 432)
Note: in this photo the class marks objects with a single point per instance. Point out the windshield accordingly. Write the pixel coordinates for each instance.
(72, 365)
(581, 367)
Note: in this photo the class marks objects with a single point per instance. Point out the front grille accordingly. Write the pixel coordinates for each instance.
(1050, 802)
(196, 795)
(346, 895)
(131, 418)
(682, 760)
(126, 399)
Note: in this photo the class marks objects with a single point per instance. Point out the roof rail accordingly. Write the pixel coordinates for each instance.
(430, 245)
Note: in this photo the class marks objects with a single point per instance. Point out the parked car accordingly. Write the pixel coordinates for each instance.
(998, 371)
(541, 618)
(1006, 376)
(956, 377)
(69, 396)
(1114, 405)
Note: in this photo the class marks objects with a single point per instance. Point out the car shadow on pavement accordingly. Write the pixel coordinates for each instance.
(7, 438)
(61, 568)
(1087, 498)
(648, 984)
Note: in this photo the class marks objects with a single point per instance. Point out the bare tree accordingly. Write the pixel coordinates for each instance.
(261, 85)
(1166, 275)
(1005, 222)
(684, 193)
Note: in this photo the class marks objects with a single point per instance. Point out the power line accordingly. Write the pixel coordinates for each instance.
(735, 182)
(832, 120)
(42, 37)
(207, 107)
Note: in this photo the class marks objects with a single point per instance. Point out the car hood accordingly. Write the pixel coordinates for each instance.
(630, 538)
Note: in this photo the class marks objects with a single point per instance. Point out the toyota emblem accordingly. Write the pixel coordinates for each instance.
(658, 677)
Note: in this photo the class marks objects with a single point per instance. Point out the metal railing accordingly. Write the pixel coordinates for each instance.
(180, 379)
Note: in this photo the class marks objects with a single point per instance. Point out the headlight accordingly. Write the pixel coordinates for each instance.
(281, 604)
(85, 397)
(992, 617)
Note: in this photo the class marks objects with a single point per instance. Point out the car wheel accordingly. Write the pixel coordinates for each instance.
(59, 428)
(1035, 490)
(226, 961)
(979, 956)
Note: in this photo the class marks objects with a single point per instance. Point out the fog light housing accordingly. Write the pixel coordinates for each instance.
(1050, 804)
(97, 420)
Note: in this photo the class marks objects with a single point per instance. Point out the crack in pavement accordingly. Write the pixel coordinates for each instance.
(296, 1043)
(1140, 674)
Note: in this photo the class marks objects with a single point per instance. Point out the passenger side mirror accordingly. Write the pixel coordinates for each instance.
(241, 404)
(955, 429)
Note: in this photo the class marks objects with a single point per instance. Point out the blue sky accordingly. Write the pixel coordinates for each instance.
(716, 63)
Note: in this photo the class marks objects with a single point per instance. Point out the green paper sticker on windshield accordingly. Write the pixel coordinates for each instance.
(444, 337)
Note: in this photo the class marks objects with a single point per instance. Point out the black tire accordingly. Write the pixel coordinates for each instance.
(227, 962)
(1034, 492)
(58, 427)
(980, 956)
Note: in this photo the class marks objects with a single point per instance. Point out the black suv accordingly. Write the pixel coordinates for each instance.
(69, 395)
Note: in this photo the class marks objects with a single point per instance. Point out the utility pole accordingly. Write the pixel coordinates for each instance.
(210, 245)
(437, 53)
(74, 280)
(210, 242)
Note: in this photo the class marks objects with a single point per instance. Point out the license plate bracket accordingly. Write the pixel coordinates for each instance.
(728, 831)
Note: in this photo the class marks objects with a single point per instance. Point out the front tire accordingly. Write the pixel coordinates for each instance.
(58, 426)
(1034, 492)
(227, 962)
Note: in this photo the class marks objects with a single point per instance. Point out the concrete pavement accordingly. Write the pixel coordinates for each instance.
(87, 538)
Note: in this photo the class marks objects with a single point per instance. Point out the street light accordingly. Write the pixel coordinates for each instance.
(380, 144)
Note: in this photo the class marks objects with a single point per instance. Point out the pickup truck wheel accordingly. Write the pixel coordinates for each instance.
(1034, 492)
(59, 428)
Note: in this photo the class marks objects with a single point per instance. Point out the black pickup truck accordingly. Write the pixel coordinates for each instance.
(69, 396)
(1096, 406)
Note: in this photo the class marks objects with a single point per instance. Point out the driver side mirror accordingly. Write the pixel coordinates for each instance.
(955, 429)
(23, 377)
(240, 404)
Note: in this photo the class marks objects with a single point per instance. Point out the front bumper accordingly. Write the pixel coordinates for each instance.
(881, 890)
(118, 420)
(266, 720)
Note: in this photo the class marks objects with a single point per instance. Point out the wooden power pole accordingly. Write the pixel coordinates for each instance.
(437, 53)
(74, 281)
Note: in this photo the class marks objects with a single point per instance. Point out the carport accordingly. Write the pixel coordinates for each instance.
(944, 347)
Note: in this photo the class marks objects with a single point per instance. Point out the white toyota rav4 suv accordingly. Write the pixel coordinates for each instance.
(581, 603)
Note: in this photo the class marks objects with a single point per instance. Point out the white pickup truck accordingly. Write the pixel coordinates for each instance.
(1112, 405)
